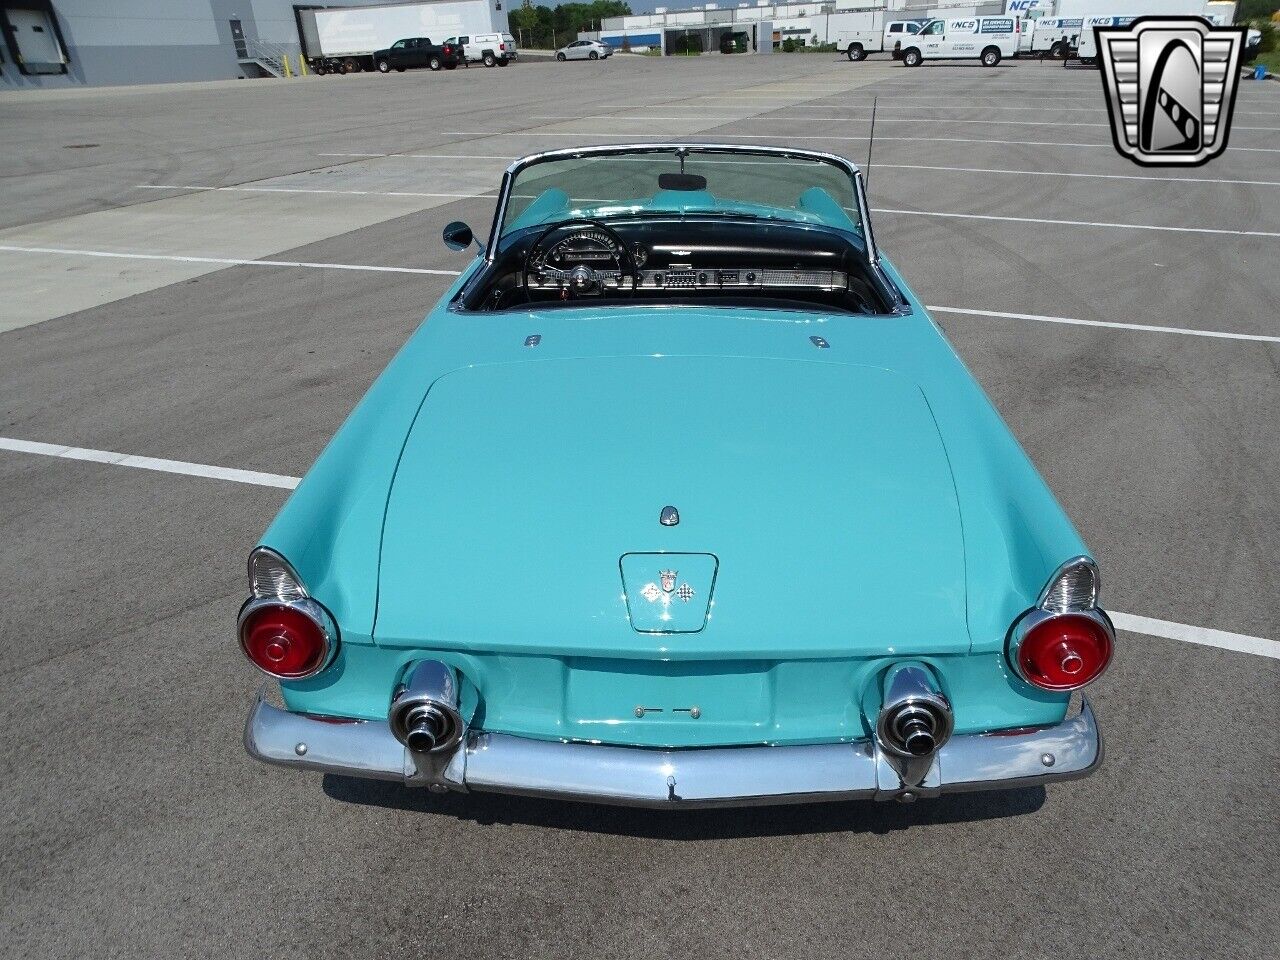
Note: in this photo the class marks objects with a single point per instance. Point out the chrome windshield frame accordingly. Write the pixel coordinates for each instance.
(571, 153)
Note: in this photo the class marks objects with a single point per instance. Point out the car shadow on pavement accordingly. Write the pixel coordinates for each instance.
(858, 816)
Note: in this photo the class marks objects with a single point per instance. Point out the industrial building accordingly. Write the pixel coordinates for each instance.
(762, 23)
(70, 43)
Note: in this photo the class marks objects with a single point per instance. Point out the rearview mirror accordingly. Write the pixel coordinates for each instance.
(458, 236)
(681, 181)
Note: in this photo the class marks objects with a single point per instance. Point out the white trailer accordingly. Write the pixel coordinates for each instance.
(345, 38)
(858, 34)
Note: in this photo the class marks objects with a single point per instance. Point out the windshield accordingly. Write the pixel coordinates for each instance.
(683, 180)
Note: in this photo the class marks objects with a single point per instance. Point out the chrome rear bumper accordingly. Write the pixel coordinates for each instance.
(633, 776)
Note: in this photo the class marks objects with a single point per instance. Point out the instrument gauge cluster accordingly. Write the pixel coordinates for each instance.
(591, 247)
(587, 262)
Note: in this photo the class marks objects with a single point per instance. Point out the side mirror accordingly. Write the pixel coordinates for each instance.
(458, 236)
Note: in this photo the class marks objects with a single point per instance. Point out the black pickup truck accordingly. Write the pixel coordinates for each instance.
(417, 52)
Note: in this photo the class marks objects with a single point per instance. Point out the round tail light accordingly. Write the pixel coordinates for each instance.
(1064, 651)
(289, 641)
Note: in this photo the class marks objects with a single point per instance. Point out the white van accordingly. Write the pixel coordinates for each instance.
(491, 49)
(989, 39)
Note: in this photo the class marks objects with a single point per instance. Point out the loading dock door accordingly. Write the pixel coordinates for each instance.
(37, 44)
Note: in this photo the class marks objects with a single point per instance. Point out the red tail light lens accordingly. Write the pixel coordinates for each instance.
(284, 641)
(1064, 652)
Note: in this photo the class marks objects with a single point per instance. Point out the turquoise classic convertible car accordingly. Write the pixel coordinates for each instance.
(677, 497)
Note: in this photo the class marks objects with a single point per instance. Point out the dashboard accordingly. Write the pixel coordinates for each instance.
(675, 260)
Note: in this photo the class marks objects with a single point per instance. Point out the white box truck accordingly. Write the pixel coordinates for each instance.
(1121, 13)
(344, 39)
(1056, 36)
(858, 34)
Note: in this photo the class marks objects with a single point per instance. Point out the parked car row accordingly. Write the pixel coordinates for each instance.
(409, 53)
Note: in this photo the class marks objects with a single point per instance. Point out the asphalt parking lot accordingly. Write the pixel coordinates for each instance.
(211, 275)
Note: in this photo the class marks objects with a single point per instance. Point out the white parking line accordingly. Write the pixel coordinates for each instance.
(1077, 223)
(1143, 327)
(362, 193)
(1093, 176)
(880, 165)
(228, 261)
(761, 136)
(1203, 636)
(884, 105)
(1220, 334)
(440, 156)
(758, 136)
(919, 213)
(879, 119)
(1032, 102)
(149, 463)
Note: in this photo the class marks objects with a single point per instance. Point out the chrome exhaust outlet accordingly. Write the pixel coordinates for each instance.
(424, 710)
(915, 721)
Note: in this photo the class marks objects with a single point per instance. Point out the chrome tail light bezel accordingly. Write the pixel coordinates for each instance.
(1073, 589)
(271, 575)
(273, 582)
(309, 608)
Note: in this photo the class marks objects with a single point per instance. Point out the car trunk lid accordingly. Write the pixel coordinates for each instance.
(817, 513)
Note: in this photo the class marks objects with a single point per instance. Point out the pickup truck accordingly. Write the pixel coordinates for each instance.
(417, 52)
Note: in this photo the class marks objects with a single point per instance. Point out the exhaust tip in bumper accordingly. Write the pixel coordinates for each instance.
(424, 713)
(915, 720)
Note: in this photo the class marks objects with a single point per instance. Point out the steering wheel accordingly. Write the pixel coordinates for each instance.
(581, 279)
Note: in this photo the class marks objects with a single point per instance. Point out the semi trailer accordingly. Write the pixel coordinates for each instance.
(345, 39)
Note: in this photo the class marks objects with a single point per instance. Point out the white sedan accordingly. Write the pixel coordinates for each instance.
(584, 50)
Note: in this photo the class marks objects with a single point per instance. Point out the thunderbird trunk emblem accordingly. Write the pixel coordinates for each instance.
(664, 594)
(1170, 86)
(668, 592)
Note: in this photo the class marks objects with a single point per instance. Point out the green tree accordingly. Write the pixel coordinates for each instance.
(1256, 10)
(545, 27)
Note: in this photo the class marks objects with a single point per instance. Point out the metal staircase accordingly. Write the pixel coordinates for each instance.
(268, 57)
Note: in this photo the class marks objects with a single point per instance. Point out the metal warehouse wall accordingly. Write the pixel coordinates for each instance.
(157, 41)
